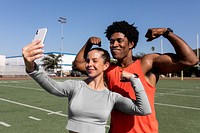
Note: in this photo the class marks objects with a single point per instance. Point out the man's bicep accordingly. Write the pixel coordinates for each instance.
(167, 63)
(79, 65)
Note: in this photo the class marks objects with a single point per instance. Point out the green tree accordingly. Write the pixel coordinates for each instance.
(50, 62)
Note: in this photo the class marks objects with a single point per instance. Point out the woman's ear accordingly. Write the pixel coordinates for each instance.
(131, 45)
(106, 65)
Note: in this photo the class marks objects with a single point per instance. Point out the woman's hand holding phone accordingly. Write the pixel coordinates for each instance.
(34, 50)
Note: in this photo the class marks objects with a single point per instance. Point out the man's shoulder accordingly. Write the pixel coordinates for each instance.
(147, 64)
(149, 57)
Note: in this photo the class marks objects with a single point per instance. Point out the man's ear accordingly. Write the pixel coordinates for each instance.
(131, 45)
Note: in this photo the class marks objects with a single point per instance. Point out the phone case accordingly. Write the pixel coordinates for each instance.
(40, 34)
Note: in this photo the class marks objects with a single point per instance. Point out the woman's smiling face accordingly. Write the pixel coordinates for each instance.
(95, 65)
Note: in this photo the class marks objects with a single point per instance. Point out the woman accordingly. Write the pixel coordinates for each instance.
(90, 102)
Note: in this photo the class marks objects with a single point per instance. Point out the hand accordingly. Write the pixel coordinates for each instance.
(154, 33)
(32, 52)
(95, 41)
(125, 76)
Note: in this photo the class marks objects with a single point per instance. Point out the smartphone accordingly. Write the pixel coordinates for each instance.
(40, 34)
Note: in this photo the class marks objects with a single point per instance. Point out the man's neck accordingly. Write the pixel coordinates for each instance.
(126, 62)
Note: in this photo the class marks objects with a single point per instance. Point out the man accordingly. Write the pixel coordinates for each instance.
(123, 38)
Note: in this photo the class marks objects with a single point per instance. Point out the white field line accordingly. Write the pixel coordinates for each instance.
(37, 108)
(194, 88)
(157, 93)
(28, 88)
(33, 107)
(34, 118)
(4, 124)
(58, 112)
(181, 95)
(178, 106)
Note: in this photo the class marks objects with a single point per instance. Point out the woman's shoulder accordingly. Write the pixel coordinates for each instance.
(74, 83)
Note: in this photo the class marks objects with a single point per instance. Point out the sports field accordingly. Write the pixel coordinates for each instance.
(26, 108)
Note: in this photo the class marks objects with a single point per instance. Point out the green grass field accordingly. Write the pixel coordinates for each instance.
(26, 108)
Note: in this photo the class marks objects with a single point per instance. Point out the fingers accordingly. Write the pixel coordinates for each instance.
(95, 41)
(149, 39)
(125, 76)
(149, 35)
(32, 51)
(153, 33)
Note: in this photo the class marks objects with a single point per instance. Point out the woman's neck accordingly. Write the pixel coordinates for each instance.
(96, 83)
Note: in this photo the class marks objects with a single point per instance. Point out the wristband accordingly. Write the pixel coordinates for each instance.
(166, 33)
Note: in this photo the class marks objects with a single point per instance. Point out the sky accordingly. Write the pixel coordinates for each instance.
(19, 20)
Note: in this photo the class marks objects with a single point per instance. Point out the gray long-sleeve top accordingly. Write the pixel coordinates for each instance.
(88, 109)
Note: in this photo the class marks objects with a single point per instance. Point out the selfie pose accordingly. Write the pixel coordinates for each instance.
(90, 102)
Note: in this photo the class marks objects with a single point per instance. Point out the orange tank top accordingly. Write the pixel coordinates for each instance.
(124, 123)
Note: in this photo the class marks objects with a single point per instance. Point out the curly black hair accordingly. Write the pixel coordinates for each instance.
(129, 30)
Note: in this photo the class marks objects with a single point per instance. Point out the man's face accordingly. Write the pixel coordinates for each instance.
(119, 46)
